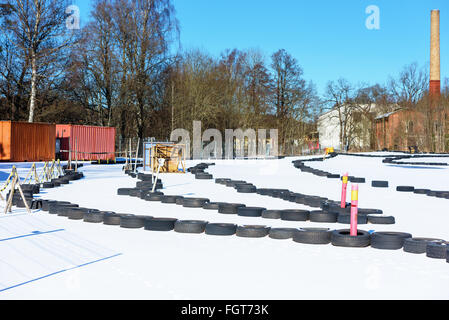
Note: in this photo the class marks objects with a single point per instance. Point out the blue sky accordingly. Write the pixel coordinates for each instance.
(328, 38)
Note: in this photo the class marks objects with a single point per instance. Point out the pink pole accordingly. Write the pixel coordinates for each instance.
(344, 187)
(354, 209)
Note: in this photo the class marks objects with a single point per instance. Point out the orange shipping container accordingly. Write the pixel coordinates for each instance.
(24, 141)
(89, 142)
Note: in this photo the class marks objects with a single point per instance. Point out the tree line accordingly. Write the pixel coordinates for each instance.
(125, 69)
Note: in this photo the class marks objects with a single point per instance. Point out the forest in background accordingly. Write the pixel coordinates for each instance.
(125, 68)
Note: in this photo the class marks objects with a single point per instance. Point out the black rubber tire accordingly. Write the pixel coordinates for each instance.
(212, 205)
(342, 238)
(264, 191)
(221, 229)
(232, 183)
(48, 185)
(323, 216)
(313, 235)
(112, 219)
(346, 218)
(252, 231)
(243, 188)
(77, 213)
(203, 176)
(169, 199)
(154, 196)
(229, 208)
(94, 216)
(437, 250)
(124, 191)
(381, 219)
(357, 180)
(132, 221)
(295, 215)
(60, 208)
(405, 188)
(194, 202)
(421, 191)
(46, 204)
(221, 180)
(333, 176)
(271, 214)
(389, 240)
(190, 226)
(160, 224)
(180, 200)
(418, 245)
(367, 211)
(379, 184)
(135, 193)
(282, 233)
(21, 204)
(250, 211)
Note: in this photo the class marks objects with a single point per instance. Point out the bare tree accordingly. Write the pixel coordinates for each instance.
(38, 28)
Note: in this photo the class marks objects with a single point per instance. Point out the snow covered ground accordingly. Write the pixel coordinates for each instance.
(140, 264)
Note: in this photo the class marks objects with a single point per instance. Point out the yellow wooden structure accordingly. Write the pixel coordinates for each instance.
(173, 154)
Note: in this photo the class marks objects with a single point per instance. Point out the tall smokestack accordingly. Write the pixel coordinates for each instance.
(435, 87)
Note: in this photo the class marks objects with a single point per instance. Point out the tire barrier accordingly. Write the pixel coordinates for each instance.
(250, 211)
(212, 205)
(190, 226)
(342, 238)
(389, 240)
(418, 245)
(169, 198)
(381, 240)
(331, 209)
(405, 188)
(437, 250)
(252, 231)
(94, 216)
(271, 214)
(194, 202)
(281, 233)
(381, 220)
(378, 183)
(323, 216)
(346, 219)
(313, 236)
(160, 224)
(295, 215)
(132, 221)
(221, 229)
(396, 160)
(229, 208)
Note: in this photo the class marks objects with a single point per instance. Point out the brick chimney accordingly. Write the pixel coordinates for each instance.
(435, 86)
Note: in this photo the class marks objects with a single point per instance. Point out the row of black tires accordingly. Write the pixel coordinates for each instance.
(331, 210)
(375, 183)
(434, 248)
(29, 190)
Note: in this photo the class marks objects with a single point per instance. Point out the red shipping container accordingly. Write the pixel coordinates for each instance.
(86, 143)
(24, 141)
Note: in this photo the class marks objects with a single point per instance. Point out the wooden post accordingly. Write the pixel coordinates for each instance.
(137, 154)
(21, 193)
(11, 194)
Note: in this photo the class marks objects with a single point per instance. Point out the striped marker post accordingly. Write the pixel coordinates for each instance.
(344, 187)
(354, 209)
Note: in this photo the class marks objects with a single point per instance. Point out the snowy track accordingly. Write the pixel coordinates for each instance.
(169, 265)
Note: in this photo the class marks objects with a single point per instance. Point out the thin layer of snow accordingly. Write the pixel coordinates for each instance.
(170, 265)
